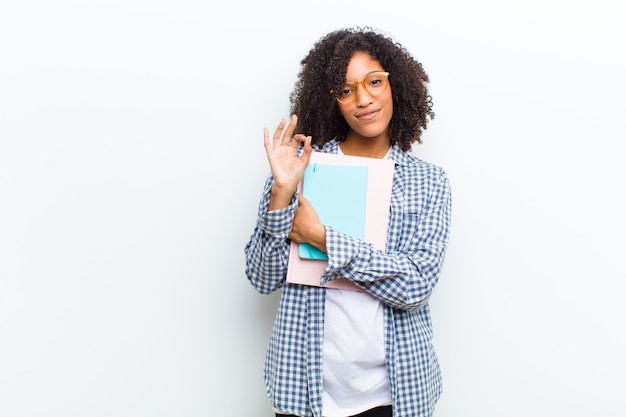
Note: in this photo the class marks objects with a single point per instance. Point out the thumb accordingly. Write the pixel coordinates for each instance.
(302, 201)
(307, 149)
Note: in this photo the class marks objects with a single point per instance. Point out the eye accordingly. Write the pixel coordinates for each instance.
(375, 82)
(346, 90)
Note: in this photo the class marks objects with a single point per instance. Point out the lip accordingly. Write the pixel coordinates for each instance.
(367, 115)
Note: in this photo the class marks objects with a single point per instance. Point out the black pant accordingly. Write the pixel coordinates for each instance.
(384, 411)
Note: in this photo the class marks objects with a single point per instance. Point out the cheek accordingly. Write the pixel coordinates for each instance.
(389, 99)
(343, 109)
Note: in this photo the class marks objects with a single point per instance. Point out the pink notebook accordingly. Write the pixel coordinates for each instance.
(378, 199)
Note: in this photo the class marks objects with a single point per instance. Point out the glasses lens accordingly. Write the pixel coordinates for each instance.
(374, 84)
(346, 93)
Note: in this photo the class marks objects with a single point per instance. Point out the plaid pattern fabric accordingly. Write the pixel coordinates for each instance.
(403, 278)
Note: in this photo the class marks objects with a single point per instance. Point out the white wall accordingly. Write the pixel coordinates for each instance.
(131, 162)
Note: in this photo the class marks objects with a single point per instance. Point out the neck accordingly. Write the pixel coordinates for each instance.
(367, 147)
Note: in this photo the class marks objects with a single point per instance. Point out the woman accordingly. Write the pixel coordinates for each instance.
(332, 352)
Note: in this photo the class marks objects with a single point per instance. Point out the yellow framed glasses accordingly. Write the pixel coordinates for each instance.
(374, 83)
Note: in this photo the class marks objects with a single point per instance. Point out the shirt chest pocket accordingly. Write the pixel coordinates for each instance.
(406, 214)
(410, 223)
(403, 226)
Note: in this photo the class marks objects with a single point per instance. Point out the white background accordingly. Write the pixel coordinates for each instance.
(131, 163)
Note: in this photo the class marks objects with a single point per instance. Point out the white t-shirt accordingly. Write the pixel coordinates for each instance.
(355, 374)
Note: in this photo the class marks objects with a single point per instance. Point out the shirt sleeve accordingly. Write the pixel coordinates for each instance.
(267, 251)
(403, 278)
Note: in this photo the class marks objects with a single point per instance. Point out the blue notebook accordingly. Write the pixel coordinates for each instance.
(338, 194)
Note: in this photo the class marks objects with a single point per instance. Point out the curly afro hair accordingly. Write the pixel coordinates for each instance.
(324, 69)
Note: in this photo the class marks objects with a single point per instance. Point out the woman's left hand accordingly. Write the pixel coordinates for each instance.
(306, 226)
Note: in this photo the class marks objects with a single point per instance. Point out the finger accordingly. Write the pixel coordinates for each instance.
(307, 150)
(297, 139)
(266, 138)
(290, 129)
(278, 132)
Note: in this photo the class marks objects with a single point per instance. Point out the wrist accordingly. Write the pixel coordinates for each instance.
(319, 241)
(280, 197)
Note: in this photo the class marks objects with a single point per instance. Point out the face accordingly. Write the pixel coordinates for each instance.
(368, 115)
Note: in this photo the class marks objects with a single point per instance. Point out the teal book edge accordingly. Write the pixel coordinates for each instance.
(338, 194)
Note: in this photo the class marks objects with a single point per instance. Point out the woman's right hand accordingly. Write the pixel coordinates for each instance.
(287, 167)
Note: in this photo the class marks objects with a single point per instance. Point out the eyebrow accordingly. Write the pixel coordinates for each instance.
(369, 73)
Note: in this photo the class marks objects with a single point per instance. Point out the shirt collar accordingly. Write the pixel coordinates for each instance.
(396, 154)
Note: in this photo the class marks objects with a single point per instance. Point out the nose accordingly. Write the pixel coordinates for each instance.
(363, 97)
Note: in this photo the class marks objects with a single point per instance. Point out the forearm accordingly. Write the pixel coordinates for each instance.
(267, 251)
(400, 280)
(266, 262)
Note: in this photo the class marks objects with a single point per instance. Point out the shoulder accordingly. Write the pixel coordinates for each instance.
(421, 183)
(417, 169)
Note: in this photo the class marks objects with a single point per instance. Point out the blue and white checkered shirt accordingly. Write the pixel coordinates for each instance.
(403, 278)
